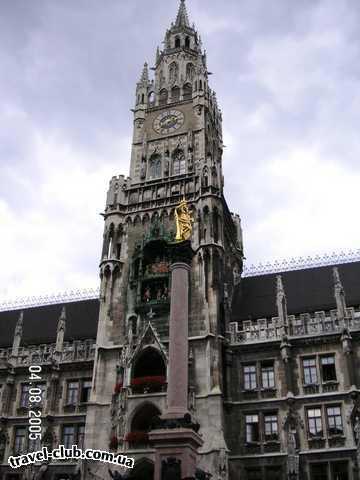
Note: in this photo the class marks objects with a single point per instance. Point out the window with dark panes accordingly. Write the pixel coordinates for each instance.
(80, 436)
(252, 428)
(309, 370)
(24, 395)
(34, 445)
(340, 471)
(328, 370)
(85, 391)
(68, 436)
(271, 426)
(250, 377)
(72, 394)
(315, 425)
(267, 375)
(319, 471)
(334, 420)
(253, 474)
(273, 473)
(20, 440)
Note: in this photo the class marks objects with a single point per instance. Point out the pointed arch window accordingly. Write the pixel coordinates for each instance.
(179, 164)
(155, 167)
(152, 99)
(187, 42)
(187, 91)
(177, 42)
(163, 98)
(173, 72)
(175, 94)
(190, 71)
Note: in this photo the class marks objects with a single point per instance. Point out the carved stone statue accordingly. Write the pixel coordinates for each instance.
(143, 171)
(184, 222)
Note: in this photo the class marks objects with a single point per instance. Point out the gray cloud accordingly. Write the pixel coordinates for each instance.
(287, 78)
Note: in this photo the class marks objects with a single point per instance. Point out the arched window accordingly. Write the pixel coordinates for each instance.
(190, 71)
(163, 98)
(152, 99)
(155, 166)
(187, 91)
(142, 98)
(187, 42)
(177, 42)
(200, 85)
(205, 178)
(179, 164)
(173, 72)
(175, 94)
(141, 425)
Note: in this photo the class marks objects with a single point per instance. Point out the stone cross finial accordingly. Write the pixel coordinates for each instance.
(339, 294)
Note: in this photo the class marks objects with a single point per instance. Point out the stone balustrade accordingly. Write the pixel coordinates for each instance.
(41, 354)
(304, 324)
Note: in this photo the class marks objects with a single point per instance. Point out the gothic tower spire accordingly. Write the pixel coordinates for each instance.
(182, 19)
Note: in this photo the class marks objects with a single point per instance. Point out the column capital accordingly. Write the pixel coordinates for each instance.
(183, 265)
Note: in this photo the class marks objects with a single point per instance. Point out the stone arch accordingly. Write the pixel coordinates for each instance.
(143, 469)
(150, 361)
(137, 221)
(155, 166)
(205, 177)
(151, 99)
(145, 219)
(177, 43)
(173, 72)
(187, 91)
(179, 162)
(163, 96)
(175, 93)
(187, 42)
(140, 423)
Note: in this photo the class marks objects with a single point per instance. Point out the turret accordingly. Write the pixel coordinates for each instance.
(17, 335)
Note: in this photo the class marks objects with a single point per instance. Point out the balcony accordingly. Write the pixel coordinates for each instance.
(148, 384)
(305, 324)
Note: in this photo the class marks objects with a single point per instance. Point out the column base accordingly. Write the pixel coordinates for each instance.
(176, 453)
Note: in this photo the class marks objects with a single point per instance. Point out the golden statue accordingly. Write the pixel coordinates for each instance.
(184, 222)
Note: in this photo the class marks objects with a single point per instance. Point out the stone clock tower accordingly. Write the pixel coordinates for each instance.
(176, 153)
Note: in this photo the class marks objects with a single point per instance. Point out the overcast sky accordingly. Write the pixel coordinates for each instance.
(287, 77)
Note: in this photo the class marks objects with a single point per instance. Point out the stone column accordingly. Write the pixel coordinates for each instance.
(174, 435)
(177, 393)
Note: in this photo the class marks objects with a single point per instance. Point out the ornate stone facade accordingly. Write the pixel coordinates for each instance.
(272, 361)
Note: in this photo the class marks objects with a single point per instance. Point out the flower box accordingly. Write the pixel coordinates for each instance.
(148, 381)
(137, 437)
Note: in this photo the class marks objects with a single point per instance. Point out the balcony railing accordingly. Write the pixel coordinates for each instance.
(305, 324)
(41, 354)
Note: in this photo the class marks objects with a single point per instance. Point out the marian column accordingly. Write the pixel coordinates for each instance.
(175, 436)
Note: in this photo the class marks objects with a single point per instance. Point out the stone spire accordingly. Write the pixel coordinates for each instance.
(339, 294)
(61, 326)
(17, 335)
(281, 302)
(182, 19)
(144, 80)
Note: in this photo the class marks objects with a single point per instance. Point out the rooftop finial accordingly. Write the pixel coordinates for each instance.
(182, 19)
(145, 74)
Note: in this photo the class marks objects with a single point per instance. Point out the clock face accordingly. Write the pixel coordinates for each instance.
(168, 121)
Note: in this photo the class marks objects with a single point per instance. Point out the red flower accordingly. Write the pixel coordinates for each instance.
(118, 387)
(137, 437)
(148, 381)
